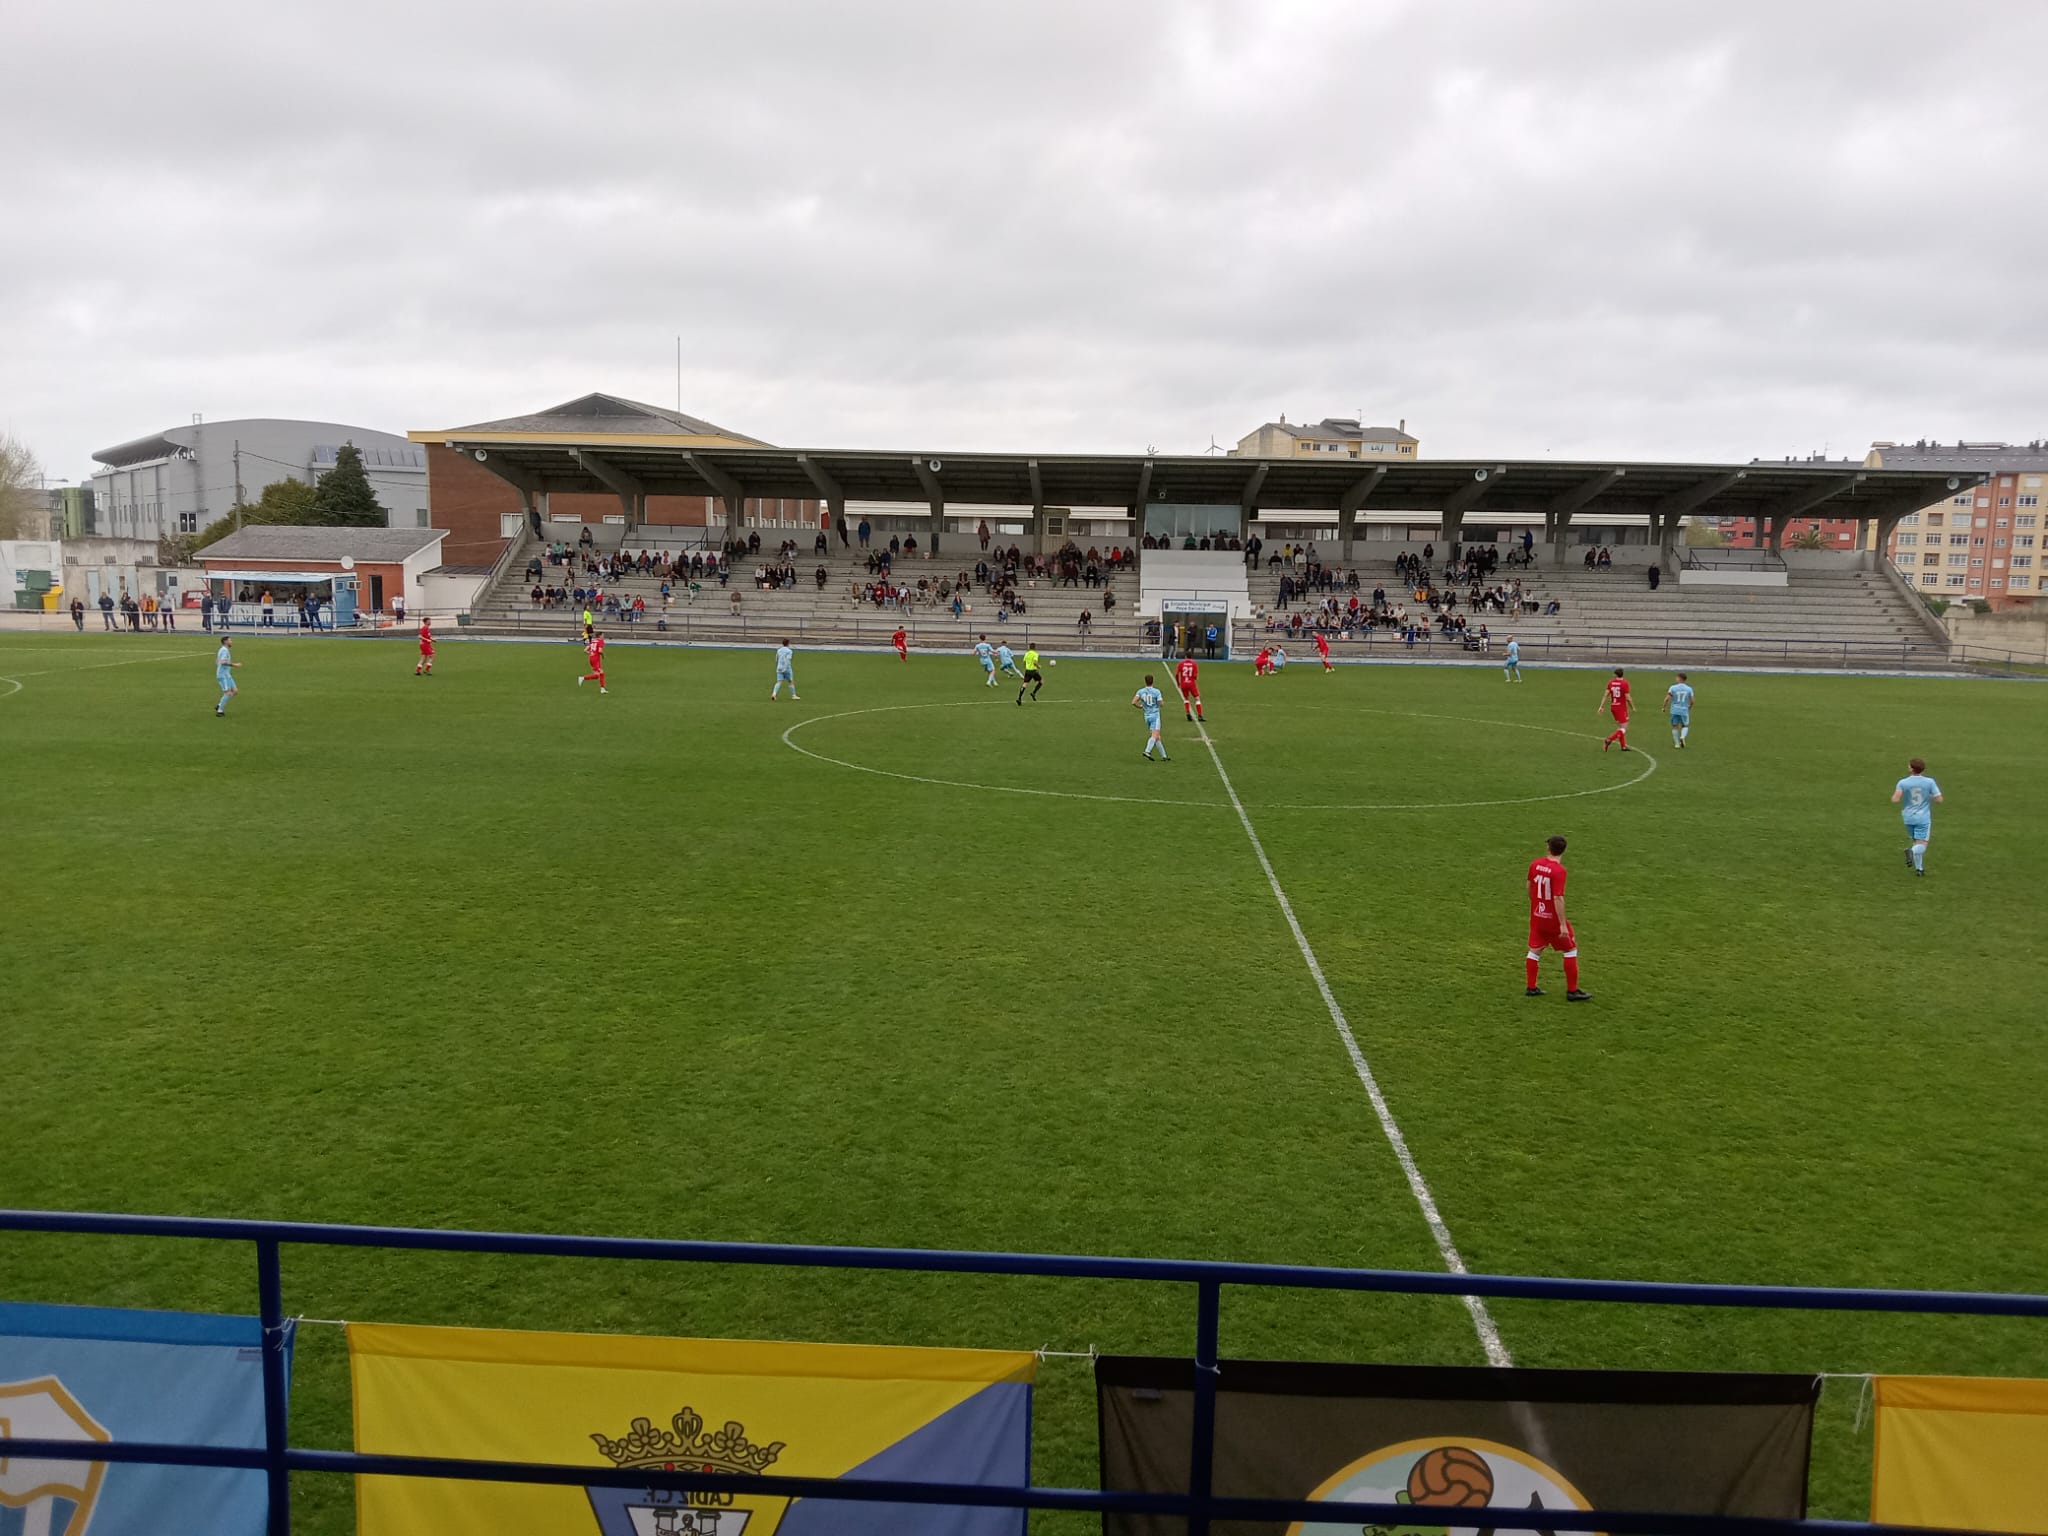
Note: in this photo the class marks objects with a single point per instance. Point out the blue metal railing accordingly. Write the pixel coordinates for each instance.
(1198, 1506)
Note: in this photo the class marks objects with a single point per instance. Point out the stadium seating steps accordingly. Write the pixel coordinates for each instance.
(1843, 616)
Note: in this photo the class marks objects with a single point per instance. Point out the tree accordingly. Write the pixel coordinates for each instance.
(21, 489)
(1807, 538)
(283, 503)
(1700, 535)
(343, 498)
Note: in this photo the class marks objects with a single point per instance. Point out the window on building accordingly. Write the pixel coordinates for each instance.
(2025, 520)
(1910, 520)
(420, 517)
(2022, 562)
(1976, 562)
(1997, 565)
(1958, 560)
(1930, 559)
(1929, 579)
(2020, 581)
(1976, 584)
(2002, 522)
(2005, 501)
(188, 522)
(2023, 541)
(2030, 501)
(1965, 499)
(1908, 540)
(1934, 519)
(1953, 579)
(1959, 541)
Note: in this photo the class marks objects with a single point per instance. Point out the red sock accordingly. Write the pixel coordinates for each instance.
(1534, 969)
(1623, 734)
(1571, 974)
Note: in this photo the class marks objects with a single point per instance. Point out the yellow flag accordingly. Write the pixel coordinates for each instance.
(815, 1410)
(1961, 1451)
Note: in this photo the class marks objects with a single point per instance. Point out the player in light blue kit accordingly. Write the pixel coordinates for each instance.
(987, 658)
(1917, 795)
(785, 672)
(1512, 668)
(223, 660)
(1006, 662)
(1678, 699)
(1149, 699)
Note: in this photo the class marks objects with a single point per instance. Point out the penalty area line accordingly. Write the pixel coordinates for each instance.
(1482, 1320)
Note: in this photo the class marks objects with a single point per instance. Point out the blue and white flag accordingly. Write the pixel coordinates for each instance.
(101, 1373)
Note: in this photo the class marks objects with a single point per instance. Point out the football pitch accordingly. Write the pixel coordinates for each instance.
(907, 964)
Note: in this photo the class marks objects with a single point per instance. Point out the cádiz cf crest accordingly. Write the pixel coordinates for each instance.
(685, 1447)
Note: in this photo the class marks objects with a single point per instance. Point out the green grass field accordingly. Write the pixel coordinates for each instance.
(489, 950)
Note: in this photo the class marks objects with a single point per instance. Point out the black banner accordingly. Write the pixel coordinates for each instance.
(1508, 1443)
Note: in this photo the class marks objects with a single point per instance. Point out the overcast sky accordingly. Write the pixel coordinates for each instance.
(1704, 230)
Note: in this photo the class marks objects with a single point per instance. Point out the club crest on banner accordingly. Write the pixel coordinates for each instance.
(55, 1497)
(1506, 1489)
(685, 1447)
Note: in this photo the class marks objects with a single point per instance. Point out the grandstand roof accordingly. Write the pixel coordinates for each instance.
(1585, 490)
(598, 415)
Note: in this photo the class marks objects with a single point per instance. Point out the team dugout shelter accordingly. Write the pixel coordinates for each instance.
(603, 459)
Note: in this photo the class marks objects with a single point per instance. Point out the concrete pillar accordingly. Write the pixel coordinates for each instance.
(1347, 528)
(1665, 531)
(735, 515)
(938, 526)
(1556, 525)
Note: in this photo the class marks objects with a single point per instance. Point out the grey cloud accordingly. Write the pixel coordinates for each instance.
(1684, 229)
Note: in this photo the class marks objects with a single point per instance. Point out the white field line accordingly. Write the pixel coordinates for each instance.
(1482, 1320)
(132, 661)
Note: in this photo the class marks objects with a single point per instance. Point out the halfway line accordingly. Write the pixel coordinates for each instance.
(1482, 1320)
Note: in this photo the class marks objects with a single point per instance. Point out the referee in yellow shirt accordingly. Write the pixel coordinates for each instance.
(1033, 678)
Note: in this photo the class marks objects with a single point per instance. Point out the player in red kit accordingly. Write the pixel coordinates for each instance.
(595, 651)
(901, 640)
(1262, 664)
(1615, 701)
(425, 665)
(1187, 678)
(1323, 650)
(1549, 928)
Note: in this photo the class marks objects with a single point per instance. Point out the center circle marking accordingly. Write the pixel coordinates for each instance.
(788, 740)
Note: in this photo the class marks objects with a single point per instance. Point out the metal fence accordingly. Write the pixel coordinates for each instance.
(1198, 1505)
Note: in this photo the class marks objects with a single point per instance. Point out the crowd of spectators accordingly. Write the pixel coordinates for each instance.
(1427, 605)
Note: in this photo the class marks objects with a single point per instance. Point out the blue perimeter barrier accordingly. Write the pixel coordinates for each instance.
(1198, 1505)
